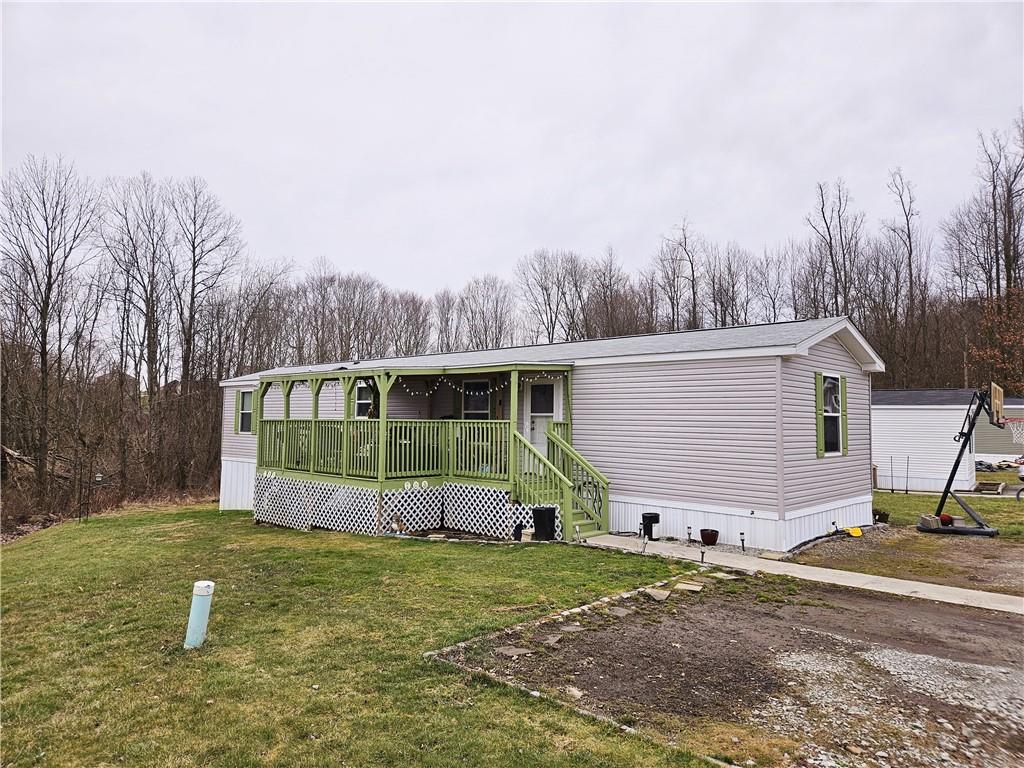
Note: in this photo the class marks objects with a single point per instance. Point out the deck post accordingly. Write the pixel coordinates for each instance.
(348, 385)
(261, 392)
(286, 390)
(384, 382)
(315, 385)
(513, 427)
(568, 404)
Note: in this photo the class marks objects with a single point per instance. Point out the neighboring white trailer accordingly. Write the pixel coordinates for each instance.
(912, 438)
(994, 445)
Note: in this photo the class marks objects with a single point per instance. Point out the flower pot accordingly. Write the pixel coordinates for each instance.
(708, 537)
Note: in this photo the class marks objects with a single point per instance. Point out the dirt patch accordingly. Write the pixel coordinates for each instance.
(972, 562)
(766, 671)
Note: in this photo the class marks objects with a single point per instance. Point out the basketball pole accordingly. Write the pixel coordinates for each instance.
(965, 440)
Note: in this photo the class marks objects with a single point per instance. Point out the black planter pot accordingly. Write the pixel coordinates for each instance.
(708, 537)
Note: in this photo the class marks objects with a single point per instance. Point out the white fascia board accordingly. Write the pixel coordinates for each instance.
(868, 360)
(246, 381)
(707, 354)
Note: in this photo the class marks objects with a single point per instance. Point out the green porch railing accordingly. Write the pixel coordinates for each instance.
(478, 449)
(270, 444)
(329, 457)
(561, 428)
(361, 448)
(416, 448)
(297, 445)
(590, 486)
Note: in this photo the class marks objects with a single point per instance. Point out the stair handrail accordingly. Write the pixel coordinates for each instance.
(578, 457)
(531, 448)
(600, 516)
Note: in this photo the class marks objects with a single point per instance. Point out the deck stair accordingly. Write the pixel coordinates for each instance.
(564, 478)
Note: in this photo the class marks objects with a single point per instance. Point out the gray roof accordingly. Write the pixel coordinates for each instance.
(765, 336)
(922, 397)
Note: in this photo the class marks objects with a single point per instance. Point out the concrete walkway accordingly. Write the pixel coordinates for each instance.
(990, 600)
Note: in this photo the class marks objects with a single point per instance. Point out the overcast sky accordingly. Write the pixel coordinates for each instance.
(425, 143)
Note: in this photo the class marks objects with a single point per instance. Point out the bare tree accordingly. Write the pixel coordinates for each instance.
(542, 287)
(488, 306)
(47, 218)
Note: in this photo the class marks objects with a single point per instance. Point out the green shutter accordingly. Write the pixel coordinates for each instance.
(842, 395)
(256, 408)
(819, 416)
(238, 408)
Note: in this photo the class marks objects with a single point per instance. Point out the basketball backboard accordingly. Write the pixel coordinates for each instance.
(995, 406)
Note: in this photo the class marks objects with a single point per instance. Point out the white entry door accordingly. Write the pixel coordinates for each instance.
(543, 405)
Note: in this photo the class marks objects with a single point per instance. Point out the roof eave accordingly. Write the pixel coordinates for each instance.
(851, 338)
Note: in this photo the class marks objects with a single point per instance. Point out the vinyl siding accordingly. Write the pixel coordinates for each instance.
(808, 480)
(685, 431)
(241, 446)
(913, 447)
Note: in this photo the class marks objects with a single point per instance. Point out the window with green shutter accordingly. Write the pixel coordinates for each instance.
(830, 414)
(245, 413)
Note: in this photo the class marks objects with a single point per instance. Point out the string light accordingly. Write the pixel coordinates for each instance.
(490, 390)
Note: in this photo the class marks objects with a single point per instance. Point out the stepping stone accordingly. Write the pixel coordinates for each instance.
(724, 576)
(512, 651)
(661, 595)
(551, 640)
(574, 693)
(689, 586)
(571, 628)
(774, 555)
(620, 612)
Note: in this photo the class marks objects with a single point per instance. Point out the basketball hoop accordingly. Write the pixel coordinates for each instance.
(1016, 427)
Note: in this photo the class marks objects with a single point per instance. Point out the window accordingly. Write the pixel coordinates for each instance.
(364, 400)
(476, 400)
(542, 399)
(244, 423)
(830, 402)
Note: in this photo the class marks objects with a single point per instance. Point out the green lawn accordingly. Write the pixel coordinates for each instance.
(1008, 476)
(93, 617)
(1002, 512)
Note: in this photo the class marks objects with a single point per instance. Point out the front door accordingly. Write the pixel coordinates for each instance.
(541, 404)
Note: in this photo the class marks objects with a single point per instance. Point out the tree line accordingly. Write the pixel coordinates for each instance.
(124, 303)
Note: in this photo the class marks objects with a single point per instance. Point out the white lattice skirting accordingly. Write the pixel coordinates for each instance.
(420, 505)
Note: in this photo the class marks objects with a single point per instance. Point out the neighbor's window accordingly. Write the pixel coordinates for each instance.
(476, 400)
(832, 413)
(364, 401)
(245, 412)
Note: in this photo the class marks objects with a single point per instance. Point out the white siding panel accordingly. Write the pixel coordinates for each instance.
(810, 481)
(241, 446)
(844, 513)
(913, 448)
(236, 483)
(699, 431)
(759, 532)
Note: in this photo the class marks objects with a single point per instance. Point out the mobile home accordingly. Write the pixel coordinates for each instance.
(912, 438)
(762, 430)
